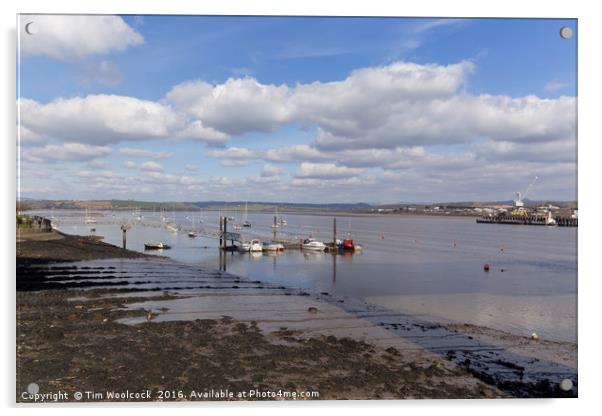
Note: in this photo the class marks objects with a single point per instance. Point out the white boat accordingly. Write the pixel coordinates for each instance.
(311, 244)
(156, 246)
(256, 246)
(271, 246)
(244, 247)
(237, 227)
(89, 219)
(192, 234)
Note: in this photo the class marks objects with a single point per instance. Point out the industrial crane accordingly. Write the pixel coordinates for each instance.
(519, 202)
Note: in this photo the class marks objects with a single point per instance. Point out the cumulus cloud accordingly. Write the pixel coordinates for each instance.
(76, 36)
(66, 152)
(398, 105)
(401, 104)
(100, 119)
(237, 106)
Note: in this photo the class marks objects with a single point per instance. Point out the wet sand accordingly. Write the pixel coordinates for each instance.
(553, 318)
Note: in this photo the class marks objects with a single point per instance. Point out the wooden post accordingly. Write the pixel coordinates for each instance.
(334, 234)
(221, 231)
(225, 232)
(275, 227)
(123, 236)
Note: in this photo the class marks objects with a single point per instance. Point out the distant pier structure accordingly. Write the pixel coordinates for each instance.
(530, 219)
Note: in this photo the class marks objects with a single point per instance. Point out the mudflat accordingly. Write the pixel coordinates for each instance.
(77, 341)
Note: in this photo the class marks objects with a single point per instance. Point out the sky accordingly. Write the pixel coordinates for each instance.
(296, 109)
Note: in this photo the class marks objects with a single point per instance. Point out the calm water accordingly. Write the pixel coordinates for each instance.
(426, 266)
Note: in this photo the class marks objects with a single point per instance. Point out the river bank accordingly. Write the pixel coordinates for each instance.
(34, 245)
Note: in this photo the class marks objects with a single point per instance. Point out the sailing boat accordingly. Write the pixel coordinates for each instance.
(89, 219)
(246, 222)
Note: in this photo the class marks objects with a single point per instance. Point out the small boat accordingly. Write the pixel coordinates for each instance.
(92, 230)
(244, 247)
(346, 245)
(237, 227)
(272, 246)
(156, 246)
(311, 244)
(192, 234)
(256, 246)
(246, 224)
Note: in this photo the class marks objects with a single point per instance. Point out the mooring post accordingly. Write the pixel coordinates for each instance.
(123, 235)
(221, 231)
(334, 233)
(275, 226)
(225, 232)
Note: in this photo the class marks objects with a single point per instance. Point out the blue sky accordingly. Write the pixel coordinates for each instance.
(297, 108)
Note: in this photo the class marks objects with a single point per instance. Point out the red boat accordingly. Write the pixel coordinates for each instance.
(347, 245)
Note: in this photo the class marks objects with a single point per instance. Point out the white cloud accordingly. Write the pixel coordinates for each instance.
(100, 119)
(146, 166)
(148, 154)
(151, 166)
(309, 170)
(29, 137)
(196, 130)
(399, 105)
(237, 106)
(66, 152)
(269, 170)
(76, 36)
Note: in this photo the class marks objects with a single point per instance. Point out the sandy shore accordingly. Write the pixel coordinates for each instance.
(211, 331)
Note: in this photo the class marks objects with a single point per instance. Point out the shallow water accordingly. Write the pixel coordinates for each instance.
(423, 265)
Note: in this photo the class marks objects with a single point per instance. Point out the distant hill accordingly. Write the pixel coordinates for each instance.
(259, 206)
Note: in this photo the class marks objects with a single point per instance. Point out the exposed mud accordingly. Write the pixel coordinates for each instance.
(71, 341)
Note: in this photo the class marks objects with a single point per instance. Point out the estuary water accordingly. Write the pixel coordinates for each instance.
(431, 267)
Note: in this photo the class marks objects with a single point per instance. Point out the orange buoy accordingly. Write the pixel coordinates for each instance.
(486, 267)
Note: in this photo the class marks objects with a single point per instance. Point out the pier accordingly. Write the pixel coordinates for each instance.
(528, 220)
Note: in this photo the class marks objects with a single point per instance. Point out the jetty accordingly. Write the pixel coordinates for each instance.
(530, 219)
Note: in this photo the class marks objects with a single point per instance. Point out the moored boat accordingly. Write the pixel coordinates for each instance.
(244, 247)
(272, 246)
(156, 246)
(311, 244)
(256, 246)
